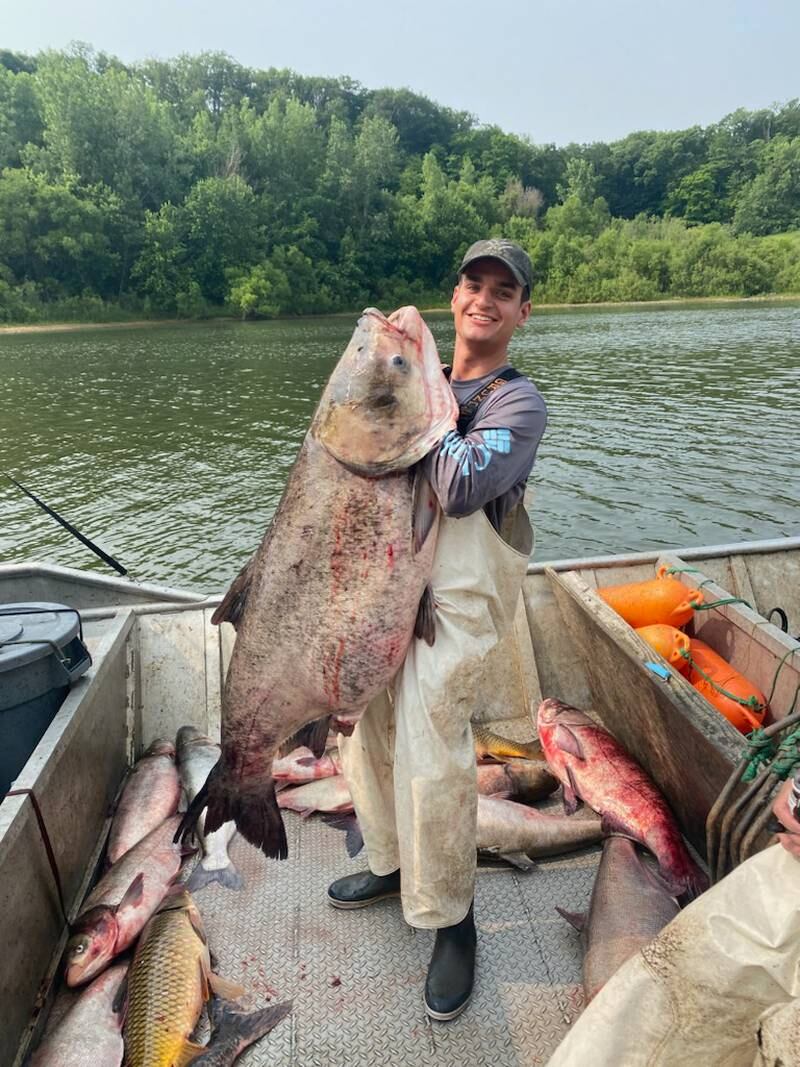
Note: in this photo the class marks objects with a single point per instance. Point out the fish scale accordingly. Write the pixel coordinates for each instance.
(165, 987)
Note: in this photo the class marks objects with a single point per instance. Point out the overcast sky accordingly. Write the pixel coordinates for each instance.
(572, 70)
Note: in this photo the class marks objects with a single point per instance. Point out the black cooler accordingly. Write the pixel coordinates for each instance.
(41, 654)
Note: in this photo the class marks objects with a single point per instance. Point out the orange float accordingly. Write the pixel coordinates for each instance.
(669, 642)
(732, 681)
(662, 599)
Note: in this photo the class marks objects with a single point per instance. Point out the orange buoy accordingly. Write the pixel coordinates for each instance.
(669, 642)
(744, 718)
(662, 599)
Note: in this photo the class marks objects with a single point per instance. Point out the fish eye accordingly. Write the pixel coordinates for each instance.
(79, 949)
(398, 361)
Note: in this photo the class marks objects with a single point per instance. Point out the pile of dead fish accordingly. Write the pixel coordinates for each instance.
(139, 937)
(511, 777)
(636, 893)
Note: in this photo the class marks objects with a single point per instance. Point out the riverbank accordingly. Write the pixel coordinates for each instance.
(700, 301)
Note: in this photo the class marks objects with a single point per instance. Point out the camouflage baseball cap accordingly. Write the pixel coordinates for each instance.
(508, 252)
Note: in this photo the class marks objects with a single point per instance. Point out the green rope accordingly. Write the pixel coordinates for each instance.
(787, 756)
(778, 671)
(751, 702)
(682, 570)
(719, 603)
(762, 749)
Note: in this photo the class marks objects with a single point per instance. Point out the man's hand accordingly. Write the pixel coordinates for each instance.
(780, 809)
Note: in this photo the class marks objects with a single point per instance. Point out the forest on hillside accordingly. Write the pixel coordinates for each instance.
(198, 186)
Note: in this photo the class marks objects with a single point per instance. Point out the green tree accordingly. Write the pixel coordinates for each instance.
(770, 203)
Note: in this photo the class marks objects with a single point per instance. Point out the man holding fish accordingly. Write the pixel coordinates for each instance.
(410, 762)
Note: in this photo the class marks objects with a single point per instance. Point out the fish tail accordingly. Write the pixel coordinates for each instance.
(254, 809)
(228, 877)
(246, 1029)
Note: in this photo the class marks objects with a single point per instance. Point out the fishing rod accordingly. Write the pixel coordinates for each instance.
(104, 556)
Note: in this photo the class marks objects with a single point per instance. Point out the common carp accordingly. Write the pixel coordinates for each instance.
(169, 981)
(327, 608)
(122, 902)
(91, 1030)
(508, 828)
(629, 906)
(522, 780)
(150, 795)
(593, 766)
(197, 755)
(493, 746)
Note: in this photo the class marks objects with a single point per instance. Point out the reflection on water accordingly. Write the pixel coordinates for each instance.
(170, 446)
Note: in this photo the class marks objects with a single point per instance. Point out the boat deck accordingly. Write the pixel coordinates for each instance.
(356, 977)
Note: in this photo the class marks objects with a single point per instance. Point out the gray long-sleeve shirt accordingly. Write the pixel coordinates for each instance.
(489, 466)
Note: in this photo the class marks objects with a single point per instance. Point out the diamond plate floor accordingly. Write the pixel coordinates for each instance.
(357, 977)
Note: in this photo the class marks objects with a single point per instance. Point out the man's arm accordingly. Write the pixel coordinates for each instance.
(791, 838)
(497, 453)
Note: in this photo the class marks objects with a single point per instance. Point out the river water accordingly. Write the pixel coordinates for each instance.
(169, 446)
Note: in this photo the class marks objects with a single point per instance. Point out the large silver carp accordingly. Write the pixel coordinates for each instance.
(326, 609)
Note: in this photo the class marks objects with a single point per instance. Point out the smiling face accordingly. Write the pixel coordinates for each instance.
(487, 307)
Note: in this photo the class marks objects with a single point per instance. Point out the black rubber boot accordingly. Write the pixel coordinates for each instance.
(359, 890)
(452, 970)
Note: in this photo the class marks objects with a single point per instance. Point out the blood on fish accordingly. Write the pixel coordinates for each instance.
(390, 556)
(331, 675)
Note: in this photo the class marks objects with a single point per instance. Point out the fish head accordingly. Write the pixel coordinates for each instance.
(91, 945)
(387, 402)
(188, 734)
(554, 712)
(162, 746)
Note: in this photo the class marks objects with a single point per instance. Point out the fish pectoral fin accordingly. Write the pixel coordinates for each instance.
(424, 511)
(313, 735)
(197, 925)
(574, 918)
(612, 826)
(568, 742)
(223, 987)
(187, 1053)
(570, 791)
(425, 624)
(119, 1005)
(520, 860)
(347, 822)
(235, 600)
(133, 894)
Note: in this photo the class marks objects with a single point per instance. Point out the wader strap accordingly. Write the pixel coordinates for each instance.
(467, 409)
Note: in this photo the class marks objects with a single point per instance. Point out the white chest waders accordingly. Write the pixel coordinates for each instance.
(410, 762)
(718, 987)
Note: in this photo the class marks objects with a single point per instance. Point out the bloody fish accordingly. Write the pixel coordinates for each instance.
(327, 608)
(121, 903)
(594, 767)
(301, 765)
